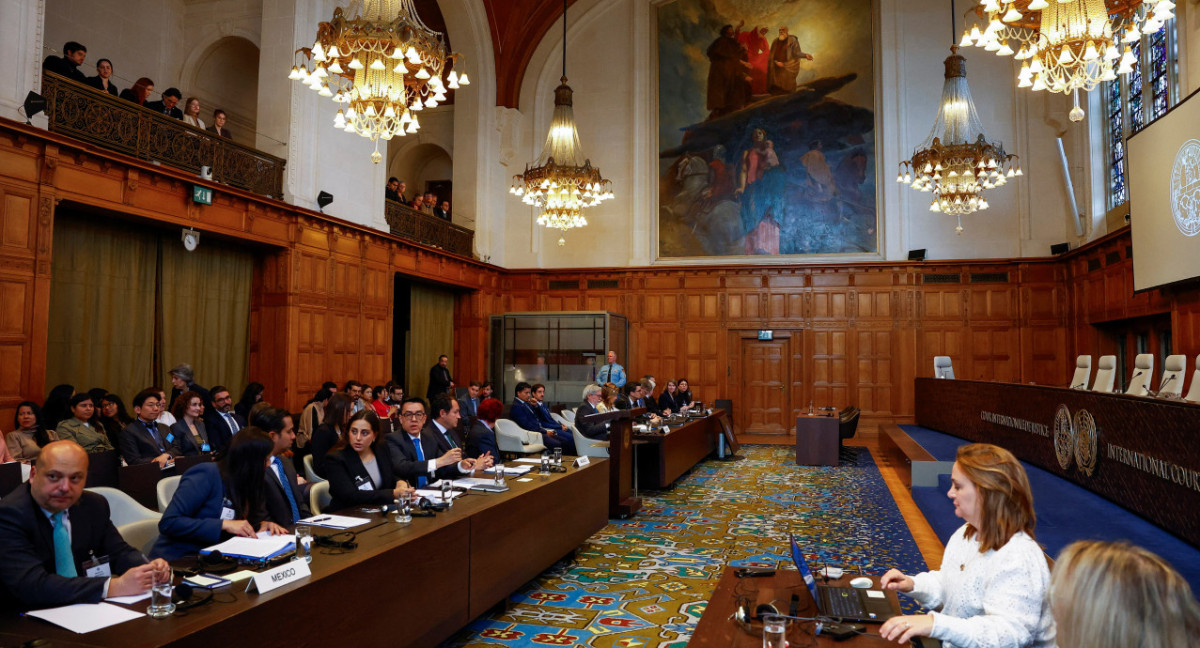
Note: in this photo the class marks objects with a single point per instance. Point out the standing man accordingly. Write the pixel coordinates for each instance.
(286, 503)
(612, 372)
(225, 421)
(166, 105)
(51, 533)
(440, 381)
(785, 63)
(469, 404)
(68, 64)
(184, 379)
(392, 192)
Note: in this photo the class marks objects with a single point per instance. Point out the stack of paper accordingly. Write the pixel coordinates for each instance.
(335, 521)
(259, 548)
(512, 470)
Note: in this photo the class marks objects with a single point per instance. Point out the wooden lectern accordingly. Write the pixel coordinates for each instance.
(621, 501)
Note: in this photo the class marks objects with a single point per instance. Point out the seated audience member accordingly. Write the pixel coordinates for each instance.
(68, 64)
(189, 429)
(669, 401)
(481, 437)
(286, 502)
(57, 408)
(140, 92)
(331, 430)
(97, 394)
(183, 379)
(5, 455)
(354, 390)
(486, 390)
(592, 398)
(392, 191)
(50, 527)
(223, 423)
(216, 501)
(166, 105)
(146, 440)
(191, 113)
(103, 79)
(524, 413)
(428, 203)
(685, 395)
(380, 404)
(1114, 595)
(368, 397)
(311, 417)
(416, 454)
(113, 417)
(218, 126)
(468, 405)
(28, 435)
(251, 396)
(359, 468)
(80, 430)
(164, 415)
(442, 211)
(608, 398)
(395, 394)
(993, 585)
(537, 397)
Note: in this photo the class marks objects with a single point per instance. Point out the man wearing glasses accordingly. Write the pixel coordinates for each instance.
(415, 453)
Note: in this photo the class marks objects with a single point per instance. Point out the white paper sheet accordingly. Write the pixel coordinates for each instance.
(129, 600)
(335, 521)
(512, 470)
(253, 547)
(86, 617)
(435, 495)
(529, 460)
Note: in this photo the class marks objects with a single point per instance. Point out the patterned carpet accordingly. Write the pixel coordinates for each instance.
(644, 582)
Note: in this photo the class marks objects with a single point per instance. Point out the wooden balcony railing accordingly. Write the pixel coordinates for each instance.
(411, 224)
(87, 114)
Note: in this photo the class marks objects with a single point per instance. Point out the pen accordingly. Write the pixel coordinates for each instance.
(320, 519)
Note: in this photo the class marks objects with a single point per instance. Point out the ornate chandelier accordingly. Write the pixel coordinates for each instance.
(1067, 45)
(562, 182)
(383, 63)
(956, 162)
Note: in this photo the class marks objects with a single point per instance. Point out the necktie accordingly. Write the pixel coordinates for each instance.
(421, 481)
(233, 424)
(474, 407)
(450, 439)
(287, 488)
(64, 560)
(151, 428)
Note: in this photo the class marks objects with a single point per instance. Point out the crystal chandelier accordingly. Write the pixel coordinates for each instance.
(562, 182)
(383, 63)
(1067, 45)
(956, 162)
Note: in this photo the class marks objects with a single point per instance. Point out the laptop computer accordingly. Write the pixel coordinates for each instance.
(844, 603)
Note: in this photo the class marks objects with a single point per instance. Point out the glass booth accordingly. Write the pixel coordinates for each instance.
(561, 350)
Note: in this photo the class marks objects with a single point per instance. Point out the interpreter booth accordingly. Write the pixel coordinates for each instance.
(562, 350)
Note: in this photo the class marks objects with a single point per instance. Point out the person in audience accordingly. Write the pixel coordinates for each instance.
(524, 413)
(608, 398)
(189, 429)
(113, 417)
(486, 390)
(216, 501)
(56, 408)
(417, 456)
(993, 585)
(5, 455)
(331, 430)
(440, 381)
(380, 404)
(191, 113)
(103, 79)
(428, 203)
(311, 417)
(537, 397)
(140, 92)
(684, 393)
(184, 379)
(218, 127)
(68, 64)
(166, 105)
(97, 394)
(330, 385)
(353, 389)
(1114, 595)
(481, 437)
(251, 396)
(286, 502)
(223, 423)
(612, 371)
(359, 468)
(593, 396)
(392, 192)
(469, 403)
(28, 435)
(51, 526)
(669, 401)
(368, 396)
(146, 440)
(80, 430)
(442, 211)
(395, 394)
(164, 415)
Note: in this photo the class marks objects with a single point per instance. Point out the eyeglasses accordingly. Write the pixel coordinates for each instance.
(412, 416)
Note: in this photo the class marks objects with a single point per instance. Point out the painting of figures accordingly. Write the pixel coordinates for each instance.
(766, 128)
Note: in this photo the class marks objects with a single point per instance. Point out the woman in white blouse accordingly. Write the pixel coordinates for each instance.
(992, 588)
(191, 113)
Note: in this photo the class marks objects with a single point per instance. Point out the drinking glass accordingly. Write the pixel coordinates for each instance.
(545, 463)
(304, 540)
(161, 604)
(558, 457)
(446, 488)
(403, 513)
(774, 631)
(499, 468)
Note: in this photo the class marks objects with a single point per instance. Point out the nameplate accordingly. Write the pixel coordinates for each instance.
(277, 577)
(580, 462)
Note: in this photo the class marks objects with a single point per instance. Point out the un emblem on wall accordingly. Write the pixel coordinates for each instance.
(1064, 437)
(1185, 188)
(1087, 442)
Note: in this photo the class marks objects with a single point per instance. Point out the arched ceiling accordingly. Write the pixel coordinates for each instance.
(517, 27)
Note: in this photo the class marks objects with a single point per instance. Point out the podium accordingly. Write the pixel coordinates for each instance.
(621, 501)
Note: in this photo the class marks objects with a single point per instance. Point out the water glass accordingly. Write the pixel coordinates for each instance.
(446, 489)
(558, 457)
(304, 541)
(774, 631)
(499, 468)
(403, 513)
(161, 605)
(545, 463)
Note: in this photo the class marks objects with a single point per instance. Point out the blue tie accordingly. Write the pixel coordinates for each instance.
(64, 560)
(421, 481)
(150, 427)
(287, 489)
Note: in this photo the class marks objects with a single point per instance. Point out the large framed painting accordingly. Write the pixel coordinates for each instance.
(766, 128)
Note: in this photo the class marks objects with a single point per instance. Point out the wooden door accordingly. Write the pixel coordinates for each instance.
(765, 378)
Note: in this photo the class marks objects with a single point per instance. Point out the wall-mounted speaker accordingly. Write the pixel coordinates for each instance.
(1059, 248)
(916, 255)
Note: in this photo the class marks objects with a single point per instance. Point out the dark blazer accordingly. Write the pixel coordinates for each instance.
(673, 403)
(27, 571)
(597, 431)
(138, 447)
(469, 408)
(481, 439)
(219, 433)
(97, 84)
(346, 474)
(192, 520)
(651, 405)
(547, 421)
(407, 466)
(623, 402)
(525, 415)
(65, 67)
(183, 437)
(278, 509)
(323, 439)
(224, 132)
(161, 108)
(439, 381)
(444, 444)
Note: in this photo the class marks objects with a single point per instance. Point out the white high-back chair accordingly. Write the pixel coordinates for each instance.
(140, 535)
(510, 437)
(942, 368)
(1171, 383)
(1106, 374)
(123, 509)
(1083, 372)
(1143, 371)
(309, 472)
(319, 497)
(1193, 395)
(166, 490)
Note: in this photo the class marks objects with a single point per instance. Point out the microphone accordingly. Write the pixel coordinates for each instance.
(1162, 386)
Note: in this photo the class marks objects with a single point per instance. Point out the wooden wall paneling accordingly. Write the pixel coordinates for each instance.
(704, 361)
(24, 248)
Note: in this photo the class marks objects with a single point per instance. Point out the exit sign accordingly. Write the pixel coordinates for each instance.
(201, 195)
(766, 335)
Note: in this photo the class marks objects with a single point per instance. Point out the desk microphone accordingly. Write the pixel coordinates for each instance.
(1079, 386)
(1162, 386)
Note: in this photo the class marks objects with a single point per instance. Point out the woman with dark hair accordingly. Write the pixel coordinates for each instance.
(79, 428)
(216, 501)
(993, 585)
(684, 394)
(140, 92)
(188, 428)
(113, 417)
(481, 438)
(311, 418)
(251, 396)
(56, 408)
(359, 468)
(332, 429)
(28, 435)
(380, 403)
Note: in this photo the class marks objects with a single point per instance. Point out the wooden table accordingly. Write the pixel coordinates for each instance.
(405, 585)
(816, 440)
(662, 458)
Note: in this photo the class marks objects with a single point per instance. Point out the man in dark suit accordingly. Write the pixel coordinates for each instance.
(145, 440)
(443, 424)
(286, 502)
(167, 105)
(440, 381)
(220, 419)
(629, 396)
(524, 414)
(51, 531)
(592, 395)
(416, 455)
(538, 397)
(469, 405)
(68, 64)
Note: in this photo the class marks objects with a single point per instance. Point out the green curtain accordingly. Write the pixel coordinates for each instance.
(430, 334)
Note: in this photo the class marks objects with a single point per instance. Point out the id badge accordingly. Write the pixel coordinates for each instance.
(98, 568)
(205, 448)
(364, 484)
(170, 438)
(226, 509)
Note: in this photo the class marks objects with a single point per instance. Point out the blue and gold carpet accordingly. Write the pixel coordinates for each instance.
(644, 582)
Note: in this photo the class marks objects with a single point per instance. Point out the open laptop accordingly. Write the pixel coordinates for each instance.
(844, 603)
